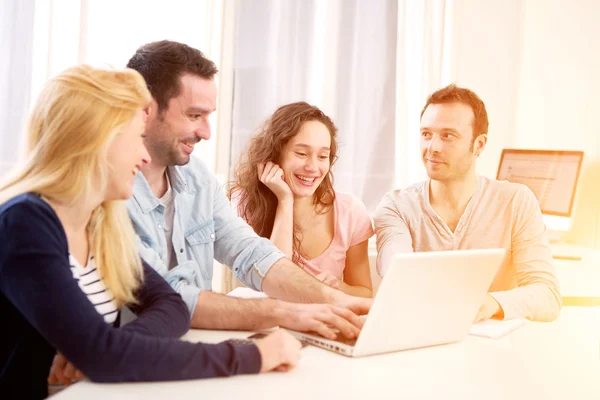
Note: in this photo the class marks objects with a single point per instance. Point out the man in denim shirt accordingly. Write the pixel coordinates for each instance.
(184, 221)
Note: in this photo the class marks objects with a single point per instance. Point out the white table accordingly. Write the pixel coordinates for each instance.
(579, 279)
(559, 360)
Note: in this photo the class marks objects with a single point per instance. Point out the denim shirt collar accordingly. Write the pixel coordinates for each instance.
(143, 195)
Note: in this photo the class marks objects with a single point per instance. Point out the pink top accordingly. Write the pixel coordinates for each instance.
(352, 225)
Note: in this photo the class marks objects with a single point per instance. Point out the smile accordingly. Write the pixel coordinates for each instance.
(188, 145)
(306, 180)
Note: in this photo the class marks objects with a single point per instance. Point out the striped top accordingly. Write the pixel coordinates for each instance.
(93, 286)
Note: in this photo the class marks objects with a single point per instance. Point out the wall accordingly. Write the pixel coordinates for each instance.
(559, 95)
(559, 79)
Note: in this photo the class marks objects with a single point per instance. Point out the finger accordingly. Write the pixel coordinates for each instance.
(260, 167)
(282, 368)
(360, 305)
(69, 372)
(79, 375)
(58, 366)
(52, 379)
(337, 322)
(279, 176)
(267, 170)
(269, 167)
(322, 329)
(265, 173)
(348, 316)
(274, 174)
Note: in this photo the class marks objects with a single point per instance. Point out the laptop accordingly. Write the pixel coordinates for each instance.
(425, 299)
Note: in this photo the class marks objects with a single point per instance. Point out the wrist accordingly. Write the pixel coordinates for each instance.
(334, 296)
(282, 312)
(263, 351)
(286, 200)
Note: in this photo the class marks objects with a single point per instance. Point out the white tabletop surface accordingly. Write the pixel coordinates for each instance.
(558, 360)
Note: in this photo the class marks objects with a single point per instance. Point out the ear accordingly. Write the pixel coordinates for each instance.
(151, 110)
(479, 144)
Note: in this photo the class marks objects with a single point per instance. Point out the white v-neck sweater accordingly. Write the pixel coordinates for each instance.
(500, 215)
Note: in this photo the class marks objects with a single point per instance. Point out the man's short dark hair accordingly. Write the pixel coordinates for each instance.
(163, 63)
(455, 94)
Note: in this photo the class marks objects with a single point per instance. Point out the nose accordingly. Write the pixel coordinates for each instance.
(435, 144)
(310, 164)
(203, 130)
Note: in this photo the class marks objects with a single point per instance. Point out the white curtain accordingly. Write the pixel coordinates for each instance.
(425, 61)
(41, 38)
(367, 64)
(337, 55)
(16, 46)
(371, 65)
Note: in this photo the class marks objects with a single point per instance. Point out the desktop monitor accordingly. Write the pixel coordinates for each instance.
(551, 175)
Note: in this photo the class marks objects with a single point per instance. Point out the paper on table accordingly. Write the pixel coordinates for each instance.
(246, 293)
(494, 329)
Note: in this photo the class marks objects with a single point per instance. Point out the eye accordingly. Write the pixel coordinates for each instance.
(301, 154)
(195, 116)
(426, 134)
(323, 158)
(449, 136)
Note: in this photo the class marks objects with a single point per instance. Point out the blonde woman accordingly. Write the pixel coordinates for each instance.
(67, 252)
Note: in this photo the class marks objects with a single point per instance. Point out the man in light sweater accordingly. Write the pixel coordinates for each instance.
(457, 210)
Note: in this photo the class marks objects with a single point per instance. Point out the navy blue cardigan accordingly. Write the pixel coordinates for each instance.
(43, 310)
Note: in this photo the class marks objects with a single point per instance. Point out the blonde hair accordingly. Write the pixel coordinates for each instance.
(74, 120)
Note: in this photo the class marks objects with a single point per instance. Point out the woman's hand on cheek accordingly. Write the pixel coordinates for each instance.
(271, 175)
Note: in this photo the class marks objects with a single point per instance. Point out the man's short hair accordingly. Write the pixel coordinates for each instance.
(455, 94)
(163, 63)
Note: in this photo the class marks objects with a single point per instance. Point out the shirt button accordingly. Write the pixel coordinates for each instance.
(159, 226)
(212, 235)
(181, 250)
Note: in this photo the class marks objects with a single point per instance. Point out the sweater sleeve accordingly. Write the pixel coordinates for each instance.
(160, 310)
(537, 296)
(392, 232)
(35, 277)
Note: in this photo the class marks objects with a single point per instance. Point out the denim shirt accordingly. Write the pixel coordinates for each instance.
(205, 228)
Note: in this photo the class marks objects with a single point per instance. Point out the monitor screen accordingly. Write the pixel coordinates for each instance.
(551, 175)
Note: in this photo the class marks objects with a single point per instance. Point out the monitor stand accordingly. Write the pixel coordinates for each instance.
(556, 227)
(554, 236)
